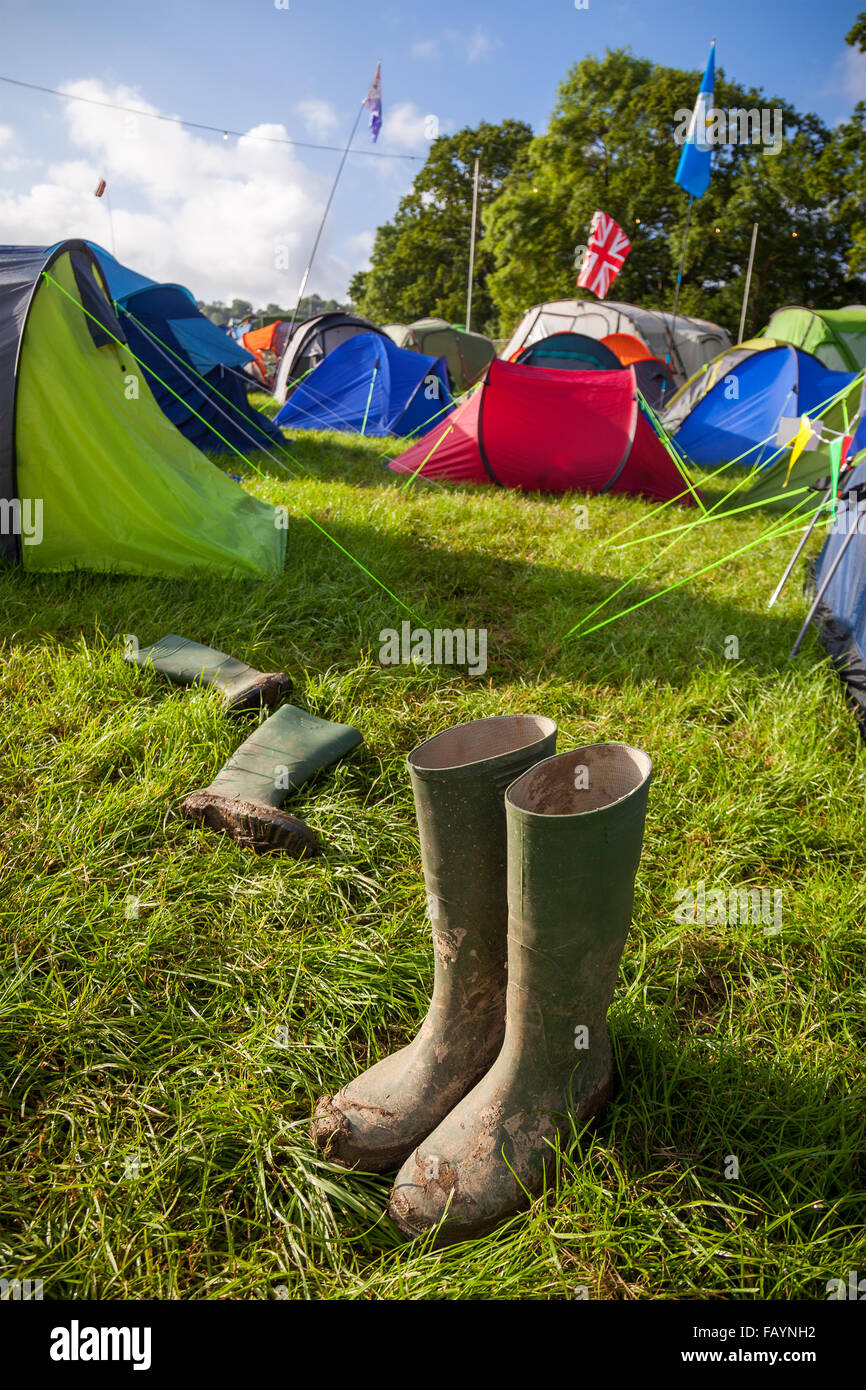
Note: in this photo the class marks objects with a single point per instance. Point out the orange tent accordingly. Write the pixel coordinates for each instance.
(626, 347)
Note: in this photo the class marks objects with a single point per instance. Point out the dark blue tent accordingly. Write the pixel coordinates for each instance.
(570, 352)
(371, 386)
(194, 369)
(843, 607)
(742, 414)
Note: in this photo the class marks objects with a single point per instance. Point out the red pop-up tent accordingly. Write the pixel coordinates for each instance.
(550, 431)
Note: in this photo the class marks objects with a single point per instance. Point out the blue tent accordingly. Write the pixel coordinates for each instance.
(177, 347)
(843, 607)
(742, 414)
(370, 385)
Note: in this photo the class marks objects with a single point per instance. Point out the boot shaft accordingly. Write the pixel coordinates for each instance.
(575, 832)
(459, 779)
(283, 753)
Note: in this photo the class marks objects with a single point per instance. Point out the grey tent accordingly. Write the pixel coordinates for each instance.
(468, 354)
(689, 342)
(311, 341)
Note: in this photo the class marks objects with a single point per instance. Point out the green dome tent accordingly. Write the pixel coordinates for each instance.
(86, 449)
(468, 354)
(837, 337)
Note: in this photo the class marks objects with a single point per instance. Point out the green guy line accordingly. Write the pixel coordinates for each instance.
(772, 534)
(126, 348)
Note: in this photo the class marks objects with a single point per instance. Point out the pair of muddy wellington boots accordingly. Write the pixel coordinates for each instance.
(291, 746)
(529, 863)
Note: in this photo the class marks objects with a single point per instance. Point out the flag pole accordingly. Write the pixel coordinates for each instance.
(680, 281)
(748, 283)
(324, 219)
(472, 248)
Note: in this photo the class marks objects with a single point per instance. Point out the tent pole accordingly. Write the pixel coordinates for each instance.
(816, 602)
(322, 223)
(798, 552)
(679, 283)
(748, 283)
(472, 248)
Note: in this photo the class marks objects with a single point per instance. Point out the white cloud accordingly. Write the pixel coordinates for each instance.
(425, 48)
(406, 127)
(854, 74)
(319, 117)
(361, 246)
(6, 135)
(479, 44)
(221, 216)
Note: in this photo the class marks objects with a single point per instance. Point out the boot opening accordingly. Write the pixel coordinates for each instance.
(482, 739)
(587, 779)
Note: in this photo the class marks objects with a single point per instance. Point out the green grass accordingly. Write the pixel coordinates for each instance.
(153, 1136)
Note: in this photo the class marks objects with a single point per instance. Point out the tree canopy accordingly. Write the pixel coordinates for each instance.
(610, 145)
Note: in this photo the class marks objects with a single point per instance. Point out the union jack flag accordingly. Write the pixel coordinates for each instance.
(607, 249)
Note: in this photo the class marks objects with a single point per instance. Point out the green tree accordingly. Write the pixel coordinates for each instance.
(857, 35)
(420, 260)
(610, 144)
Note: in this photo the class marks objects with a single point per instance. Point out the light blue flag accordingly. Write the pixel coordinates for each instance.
(693, 170)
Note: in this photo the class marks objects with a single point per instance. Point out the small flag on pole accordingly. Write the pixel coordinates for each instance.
(373, 102)
(100, 189)
(693, 170)
(605, 254)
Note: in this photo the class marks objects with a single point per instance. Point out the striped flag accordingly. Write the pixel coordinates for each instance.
(373, 102)
(693, 170)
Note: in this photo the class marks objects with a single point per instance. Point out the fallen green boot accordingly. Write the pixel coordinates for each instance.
(244, 799)
(189, 663)
(575, 829)
(459, 780)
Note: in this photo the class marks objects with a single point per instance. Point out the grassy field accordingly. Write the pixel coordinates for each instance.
(160, 1062)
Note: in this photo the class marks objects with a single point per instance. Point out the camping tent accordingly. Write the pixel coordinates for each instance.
(271, 339)
(311, 341)
(193, 368)
(654, 378)
(569, 352)
(748, 403)
(468, 354)
(688, 342)
(370, 385)
(843, 608)
(85, 447)
(549, 431)
(837, 337)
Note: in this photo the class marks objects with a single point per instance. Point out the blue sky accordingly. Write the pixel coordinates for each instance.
(238, 218)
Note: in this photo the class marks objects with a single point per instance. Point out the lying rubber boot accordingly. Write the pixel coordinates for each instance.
(244, 799)
(189, 663)
(575, 828)
(459, 780)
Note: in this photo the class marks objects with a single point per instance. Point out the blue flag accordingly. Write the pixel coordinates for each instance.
(693, 170)
(373, 101)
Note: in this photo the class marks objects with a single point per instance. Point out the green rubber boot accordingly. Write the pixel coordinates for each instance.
(575, 829)
(244, 799)
(459, 780)
(189, 663)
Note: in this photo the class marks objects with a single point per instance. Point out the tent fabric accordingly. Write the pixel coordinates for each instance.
(743, 415)
(468, 354)
(370, 385)
(627, 348)
(541, 430)
(569, 352)
(844, 601)
(192, 366)
(655, 381)
(690, 342)
(310, 342)
(837, 337)
(121, 489)
(775, 490)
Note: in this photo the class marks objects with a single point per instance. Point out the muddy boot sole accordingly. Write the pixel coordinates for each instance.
(264, 693)
(252, 824)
